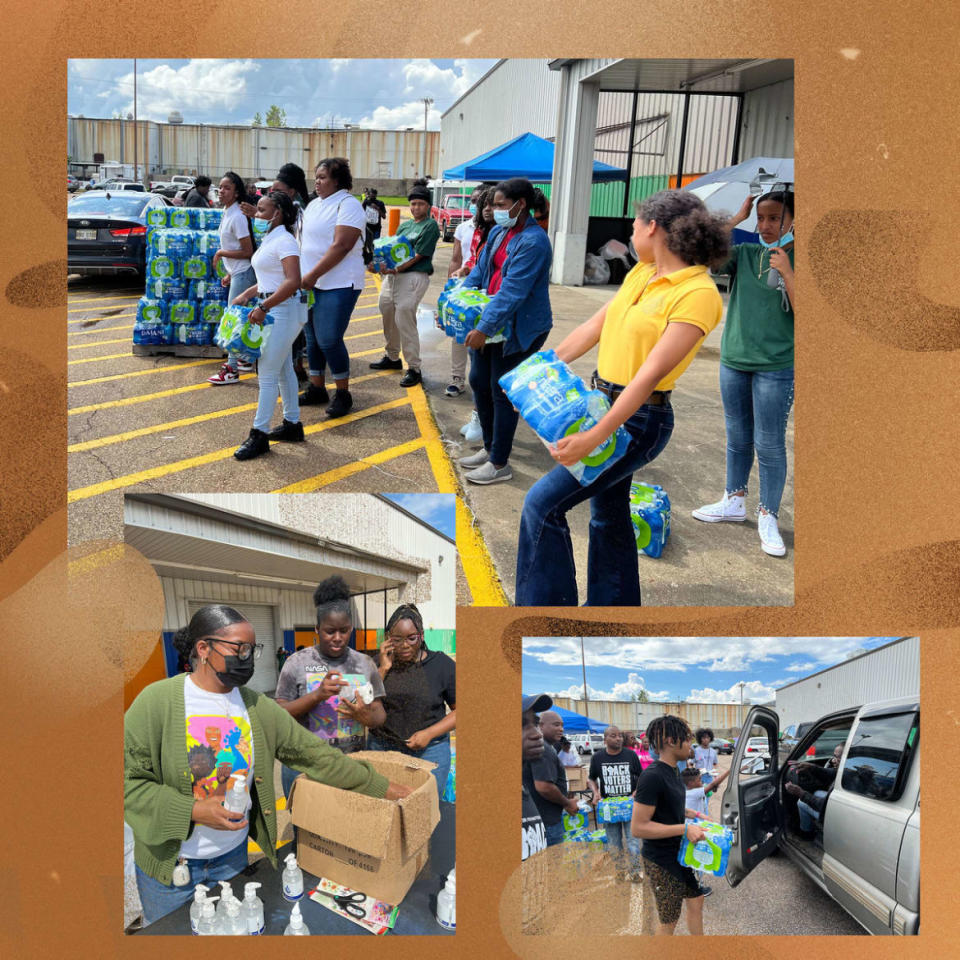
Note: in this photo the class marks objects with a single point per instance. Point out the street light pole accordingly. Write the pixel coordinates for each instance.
(586, 699)
(136, 173)
(741, 685)
(427, 101)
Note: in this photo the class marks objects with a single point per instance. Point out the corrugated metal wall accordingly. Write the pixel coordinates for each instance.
(884, 674)
(253, 152)
(722, 718)
(768, 122)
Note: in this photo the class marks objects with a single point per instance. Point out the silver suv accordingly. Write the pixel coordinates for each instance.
(850, 818)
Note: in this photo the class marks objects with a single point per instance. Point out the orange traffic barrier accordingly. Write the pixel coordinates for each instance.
(393, 221)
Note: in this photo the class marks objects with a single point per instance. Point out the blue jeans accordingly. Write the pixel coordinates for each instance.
(618, 836)
(546, 572)
(809, 815)
(498, 419)
(238, 283)
(554, 833)
(324, 331)
(158, 899)
(276, 364)
(436, 751)
(756, 407)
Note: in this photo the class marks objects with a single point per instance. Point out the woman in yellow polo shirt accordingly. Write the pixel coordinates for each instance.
(648, 335)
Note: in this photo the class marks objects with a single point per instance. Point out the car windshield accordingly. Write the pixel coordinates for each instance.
(760, 742)
(457, 200)
(116, 205)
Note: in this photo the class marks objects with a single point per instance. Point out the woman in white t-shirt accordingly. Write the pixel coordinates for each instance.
(236, 249)
(332, 254)
(277, 267)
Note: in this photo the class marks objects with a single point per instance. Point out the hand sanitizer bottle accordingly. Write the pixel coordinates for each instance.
(292, 879)
(252, 909)
(447, 902)
(199, 896)
(296, 927)
(236, 798)
(208, 918)
(233, 923)
(226, 895)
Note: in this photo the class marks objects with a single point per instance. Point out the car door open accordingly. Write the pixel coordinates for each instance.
(751, 803)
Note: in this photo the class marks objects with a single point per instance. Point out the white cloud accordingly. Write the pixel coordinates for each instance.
(754, 691)
(800, 667)
(409, 114)
(620, 691)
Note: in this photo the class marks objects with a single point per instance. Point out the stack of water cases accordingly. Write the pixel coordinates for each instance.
(650, 515)
(459, 310)
(184, 298)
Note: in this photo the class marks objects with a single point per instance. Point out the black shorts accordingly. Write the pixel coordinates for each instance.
(668, 890)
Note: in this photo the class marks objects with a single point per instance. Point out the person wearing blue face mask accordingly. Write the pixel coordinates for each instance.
(756, 367)
(514, 269)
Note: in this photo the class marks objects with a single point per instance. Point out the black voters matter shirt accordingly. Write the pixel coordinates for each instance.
(548, 769)
(531, 827)
(616, 773)
(660, 787)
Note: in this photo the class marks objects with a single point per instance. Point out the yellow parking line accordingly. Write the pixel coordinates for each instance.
(130, 296)
(143, 398)
(357, 336)
(86, 333)
(142, 373)
(478, 567)
(349, 469)
(93, 561)
(154, 473)
(109, 356)
(366, 353)
(97, 343)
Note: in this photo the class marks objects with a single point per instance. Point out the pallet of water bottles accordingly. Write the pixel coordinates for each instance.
(184, 298)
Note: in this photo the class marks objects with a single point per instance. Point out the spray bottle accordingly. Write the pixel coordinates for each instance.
(447, 902)
(292, 879)
(199, 896)
(233, 923)
(252, 912)
(208, 918)
(296, 927)
(236, 798)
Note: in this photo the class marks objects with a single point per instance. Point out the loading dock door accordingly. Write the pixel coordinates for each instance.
(261, 618)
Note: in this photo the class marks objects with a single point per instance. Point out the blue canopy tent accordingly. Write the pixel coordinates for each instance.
(578, 723)
(527, 156)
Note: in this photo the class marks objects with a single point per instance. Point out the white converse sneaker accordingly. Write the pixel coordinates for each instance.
(472, 431)
(729, 508)
(477, 459)
(488, 473)
(770, 540)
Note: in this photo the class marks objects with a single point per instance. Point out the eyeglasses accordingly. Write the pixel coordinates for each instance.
(410, 641)
(243, 649)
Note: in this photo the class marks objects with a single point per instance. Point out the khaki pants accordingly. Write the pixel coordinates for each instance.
(400, 295)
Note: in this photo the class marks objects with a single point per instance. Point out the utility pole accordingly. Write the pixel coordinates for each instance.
(586, 699)
(136, 172)
(741, 685)
(427, 102)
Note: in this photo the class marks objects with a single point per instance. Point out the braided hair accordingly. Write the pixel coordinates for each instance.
(667, 727)
(332, 596)
(407, 611)
(241, 190)
(206, 621)
(288, 211)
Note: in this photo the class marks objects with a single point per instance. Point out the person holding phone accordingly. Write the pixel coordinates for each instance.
(318, 686)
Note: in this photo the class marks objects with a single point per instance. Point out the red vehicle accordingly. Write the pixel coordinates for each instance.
(453, 210)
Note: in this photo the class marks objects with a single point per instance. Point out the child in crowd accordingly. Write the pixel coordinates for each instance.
(704, 755)
(698, 800)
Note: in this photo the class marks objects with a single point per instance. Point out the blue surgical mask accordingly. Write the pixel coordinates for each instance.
(782, 242)
(261, 224)
(502, 218)
(473, 209)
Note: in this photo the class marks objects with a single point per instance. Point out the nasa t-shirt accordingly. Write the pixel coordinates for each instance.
(616, 773)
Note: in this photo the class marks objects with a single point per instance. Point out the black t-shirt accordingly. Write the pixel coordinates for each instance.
(616, 773)
(416, 697)
(533, 834)
(547, 768)
(660, 787)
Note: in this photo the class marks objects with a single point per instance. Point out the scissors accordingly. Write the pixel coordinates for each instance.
(349, 904)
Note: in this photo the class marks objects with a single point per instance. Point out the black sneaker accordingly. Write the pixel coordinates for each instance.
(411, 378)
(341, 404)
(290, 432)
(314, 395)
(255, 445)
(385, 363)
(705, 891)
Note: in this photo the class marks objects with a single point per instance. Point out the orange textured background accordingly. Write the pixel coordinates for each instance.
(878, 535)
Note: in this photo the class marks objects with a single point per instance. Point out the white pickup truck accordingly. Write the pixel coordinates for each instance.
(172, 186)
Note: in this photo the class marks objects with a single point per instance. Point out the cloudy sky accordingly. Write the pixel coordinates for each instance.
(435, 509)
(379, 94)
(705, 669)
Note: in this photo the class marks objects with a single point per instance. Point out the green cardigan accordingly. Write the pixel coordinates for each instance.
(158, 793)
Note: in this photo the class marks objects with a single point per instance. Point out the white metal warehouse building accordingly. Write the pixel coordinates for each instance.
(264, 555)
(662, 121)
(885, 673)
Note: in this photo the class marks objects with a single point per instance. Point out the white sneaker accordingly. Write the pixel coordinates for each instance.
(472, 431)
(455, 387)
(729, 508)
(245, 365)
(226, 374)
(770, 540)
(488, 473)
(477, 459)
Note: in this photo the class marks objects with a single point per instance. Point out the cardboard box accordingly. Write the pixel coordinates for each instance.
(576, 778)
(377, 846)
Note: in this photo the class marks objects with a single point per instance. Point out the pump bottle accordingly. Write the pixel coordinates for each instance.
(296, 927)
(292, 879)
(199, 896)
(447, 902)
(252, 911)
(208, 918)
(236, 798)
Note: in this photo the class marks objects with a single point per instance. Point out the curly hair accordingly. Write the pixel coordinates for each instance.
(206, 621)
(689, 774)
(667, 727)
(332, 596)
(701, 733)
(339, 170)
(693, 233)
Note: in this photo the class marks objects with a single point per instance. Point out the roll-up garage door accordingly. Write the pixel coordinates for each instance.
(261, 618)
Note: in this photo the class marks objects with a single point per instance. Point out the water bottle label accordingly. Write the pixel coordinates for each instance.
(291, 892)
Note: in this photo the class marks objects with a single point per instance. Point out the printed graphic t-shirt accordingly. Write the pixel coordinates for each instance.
(304, 671)
(219, 743)
(660, 787)
(616, 773)
(533, 834)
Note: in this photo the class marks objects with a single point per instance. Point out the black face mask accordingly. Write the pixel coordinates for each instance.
(237, 672)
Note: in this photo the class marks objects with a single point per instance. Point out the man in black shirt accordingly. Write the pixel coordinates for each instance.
(810, 805)
(614, 773)
(534, 837)
(659, 812)
(545, 780)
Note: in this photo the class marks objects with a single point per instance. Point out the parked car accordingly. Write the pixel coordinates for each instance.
(107, 231)
(72, 183)
(722, 746)
(171, 187)
(453, 210)
(586, 742)
(115, 185)
(865, 852)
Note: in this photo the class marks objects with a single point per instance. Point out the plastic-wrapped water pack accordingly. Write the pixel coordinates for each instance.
(460, 309)
(614, 810)
(650, 515)
(710, 854)
(237, 334)
(389, 252)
